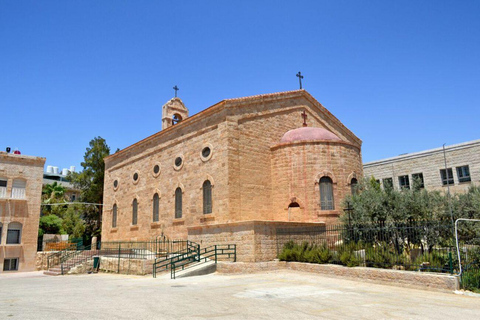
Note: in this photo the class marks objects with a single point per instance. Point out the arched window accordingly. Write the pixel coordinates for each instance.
(326, 194)
(14, 233)
(207, 197)
(353, 185)
(114, 216)
(134, 211)
(294, 205)
(156, 201)
(178, 203)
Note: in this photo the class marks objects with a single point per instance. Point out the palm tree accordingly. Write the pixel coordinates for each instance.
(53, 193)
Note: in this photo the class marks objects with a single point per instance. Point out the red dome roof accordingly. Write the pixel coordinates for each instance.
(309, 134)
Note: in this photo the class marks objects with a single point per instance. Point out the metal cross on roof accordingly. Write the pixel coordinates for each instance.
(176, 89)
(300, 77)
(304, 116)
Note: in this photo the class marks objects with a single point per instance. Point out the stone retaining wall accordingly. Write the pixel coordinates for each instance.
(412, 279)
(41, 259)
(126, 266)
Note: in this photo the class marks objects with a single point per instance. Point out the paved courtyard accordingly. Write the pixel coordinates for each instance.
(280, 295)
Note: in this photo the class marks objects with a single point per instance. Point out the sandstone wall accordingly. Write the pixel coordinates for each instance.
(25, 211)
(418, 280)
(255, 240)
(296, 171)
(126, 266)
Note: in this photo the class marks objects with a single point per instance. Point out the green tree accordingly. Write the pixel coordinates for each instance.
(72, 222)
(90, 182)
(50, 224)
(52, 194)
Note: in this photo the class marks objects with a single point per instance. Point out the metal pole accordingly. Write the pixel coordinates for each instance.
(448, 187)
(119, 250)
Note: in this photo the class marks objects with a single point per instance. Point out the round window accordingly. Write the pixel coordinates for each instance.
(156, 169)
(206, 152)
(178, 161)
(135, 176)
(115, 184)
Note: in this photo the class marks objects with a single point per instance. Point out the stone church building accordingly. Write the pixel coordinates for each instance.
(233, 173)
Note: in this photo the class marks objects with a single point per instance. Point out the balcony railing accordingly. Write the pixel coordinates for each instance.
(3, 192)
(18, 193)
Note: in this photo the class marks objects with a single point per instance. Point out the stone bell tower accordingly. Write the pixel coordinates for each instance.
(173, 112)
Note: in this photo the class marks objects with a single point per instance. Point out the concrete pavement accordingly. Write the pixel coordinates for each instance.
(278, 295)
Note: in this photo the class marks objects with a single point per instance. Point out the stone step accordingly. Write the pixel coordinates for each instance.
(52, 273)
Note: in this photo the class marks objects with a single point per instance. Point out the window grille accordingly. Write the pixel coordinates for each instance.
(14, 233)
(207, 197)
(10, 264)
(446, 176)
(404, 182)
(156, 203)
(326, 194)
(178, 203)
(463, 174)
(134, 211)
(114, 216)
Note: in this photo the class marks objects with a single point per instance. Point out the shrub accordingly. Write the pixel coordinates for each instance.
(305, 253)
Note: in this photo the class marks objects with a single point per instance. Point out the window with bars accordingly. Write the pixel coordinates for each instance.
(207, 197)
(387, 183)
(418, 182)
(114, 216)
(446, 176)
(404, 182)
(134, 211)
(10, 264)
(156, 208)
(463, 174)
(178, 203)
(326, 194)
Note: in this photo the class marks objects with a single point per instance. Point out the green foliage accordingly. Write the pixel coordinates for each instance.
(305, 253)
(380, 256)
(50, 224)
(90, 182)
(433, 261)
(73, 223)
(346, 255)
(52, 194)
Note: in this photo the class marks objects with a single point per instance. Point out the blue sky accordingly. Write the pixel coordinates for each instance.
(404, 76)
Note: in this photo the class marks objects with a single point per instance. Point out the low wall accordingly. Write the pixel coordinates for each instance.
(255, 240)
(412, 279)
(41, 259)
(126, 266)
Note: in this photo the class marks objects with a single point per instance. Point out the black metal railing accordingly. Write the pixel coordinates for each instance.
(211, 253)
(411, 245)
(194, 254)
